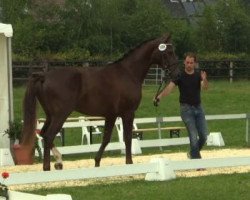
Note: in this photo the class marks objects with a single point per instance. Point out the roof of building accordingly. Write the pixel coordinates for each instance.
(187, 9)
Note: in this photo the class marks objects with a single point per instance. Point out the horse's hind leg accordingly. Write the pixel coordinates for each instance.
(127, 121)
(109, 124)
(55, 152)
(53, 128)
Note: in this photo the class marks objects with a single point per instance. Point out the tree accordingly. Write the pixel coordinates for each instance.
(224, 27)
(13, 10)
(234, 25)
(149, 19)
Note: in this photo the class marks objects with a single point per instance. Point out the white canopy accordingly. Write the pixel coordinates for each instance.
(6, 93)
(6, 29)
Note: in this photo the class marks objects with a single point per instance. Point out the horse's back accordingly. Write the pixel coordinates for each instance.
(92, 91)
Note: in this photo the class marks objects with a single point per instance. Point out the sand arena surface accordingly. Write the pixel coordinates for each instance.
(107, 161)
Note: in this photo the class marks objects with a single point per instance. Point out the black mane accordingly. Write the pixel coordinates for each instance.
(131, 51)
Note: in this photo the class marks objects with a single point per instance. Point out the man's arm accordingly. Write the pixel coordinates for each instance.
(167, 90)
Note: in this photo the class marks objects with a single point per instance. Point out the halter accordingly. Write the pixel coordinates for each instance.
(167, 69)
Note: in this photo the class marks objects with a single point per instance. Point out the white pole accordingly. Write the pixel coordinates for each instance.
(10, 80)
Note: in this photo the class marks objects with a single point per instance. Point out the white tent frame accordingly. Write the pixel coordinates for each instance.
(6, 87)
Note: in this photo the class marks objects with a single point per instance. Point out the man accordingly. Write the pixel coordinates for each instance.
(190, 83)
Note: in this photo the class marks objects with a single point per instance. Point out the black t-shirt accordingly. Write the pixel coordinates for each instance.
(190, 87)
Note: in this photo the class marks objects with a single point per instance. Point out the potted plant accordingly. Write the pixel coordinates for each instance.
(14, 133)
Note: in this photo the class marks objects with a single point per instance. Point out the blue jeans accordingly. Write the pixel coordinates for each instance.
(195, 122)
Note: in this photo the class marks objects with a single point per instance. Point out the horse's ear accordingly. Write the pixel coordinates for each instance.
(169, 36)
(166, 37)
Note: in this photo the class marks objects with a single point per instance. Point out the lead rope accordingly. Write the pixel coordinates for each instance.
(156, 100)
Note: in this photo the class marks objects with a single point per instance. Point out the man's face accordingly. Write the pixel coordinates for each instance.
(189, 64)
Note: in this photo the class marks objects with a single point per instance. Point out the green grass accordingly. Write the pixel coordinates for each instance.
(221, 98)
(216, 187)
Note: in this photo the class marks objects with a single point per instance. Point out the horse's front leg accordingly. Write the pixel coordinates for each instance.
(109, 124)
(57, 155)
(127, 121)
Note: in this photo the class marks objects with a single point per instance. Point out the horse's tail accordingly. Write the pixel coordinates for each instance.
(29, 109)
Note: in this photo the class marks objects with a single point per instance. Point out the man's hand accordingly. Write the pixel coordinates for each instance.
(203, 75)
(204, 82)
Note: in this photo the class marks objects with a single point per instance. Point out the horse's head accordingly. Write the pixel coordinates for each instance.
(164, 55)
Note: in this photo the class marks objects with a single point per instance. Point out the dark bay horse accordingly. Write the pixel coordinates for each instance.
(110, 91)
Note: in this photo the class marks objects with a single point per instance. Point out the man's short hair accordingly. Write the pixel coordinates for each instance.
(191, 55)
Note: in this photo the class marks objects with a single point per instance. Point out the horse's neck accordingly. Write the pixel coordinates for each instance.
(138, 63)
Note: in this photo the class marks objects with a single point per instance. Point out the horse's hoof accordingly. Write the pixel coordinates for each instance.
(97, 164)
(129, 162)
(58, 166)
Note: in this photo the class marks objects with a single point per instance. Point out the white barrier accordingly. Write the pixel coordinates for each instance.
(215, 139)
(136, 146)
(158, 169)
(13, 195)
(157, 121)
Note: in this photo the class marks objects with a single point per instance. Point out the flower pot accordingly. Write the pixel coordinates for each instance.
(23, 155)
